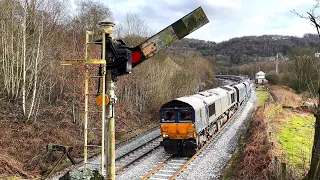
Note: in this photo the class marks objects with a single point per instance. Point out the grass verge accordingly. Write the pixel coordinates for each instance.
(262, 95)
(296, 139)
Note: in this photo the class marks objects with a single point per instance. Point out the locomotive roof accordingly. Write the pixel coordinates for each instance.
(239, 85)
(196, 103)
(208, 96)
(228, 87)
(212, 94)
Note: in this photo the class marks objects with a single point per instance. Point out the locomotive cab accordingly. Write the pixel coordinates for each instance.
(177, 128)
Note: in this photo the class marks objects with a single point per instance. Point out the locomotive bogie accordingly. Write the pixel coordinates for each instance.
(180, 147)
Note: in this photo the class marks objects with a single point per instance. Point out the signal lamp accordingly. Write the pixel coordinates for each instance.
(99, 100)
(136, 57)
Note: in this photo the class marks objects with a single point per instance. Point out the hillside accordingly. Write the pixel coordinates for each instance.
(244, 49)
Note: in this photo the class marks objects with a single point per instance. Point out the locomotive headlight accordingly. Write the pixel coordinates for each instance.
(189, 135)
(165, 135)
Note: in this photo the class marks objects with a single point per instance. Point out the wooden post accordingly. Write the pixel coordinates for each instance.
(275, 165)
(283, 171)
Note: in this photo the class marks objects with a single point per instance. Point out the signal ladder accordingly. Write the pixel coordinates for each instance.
(103, 100)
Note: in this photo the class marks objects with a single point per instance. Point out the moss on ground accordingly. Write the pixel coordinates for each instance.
(296, 138)
(262, 95)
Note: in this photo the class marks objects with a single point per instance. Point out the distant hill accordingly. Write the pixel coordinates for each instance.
(247, 46)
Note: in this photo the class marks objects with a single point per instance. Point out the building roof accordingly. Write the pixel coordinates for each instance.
(261, 73)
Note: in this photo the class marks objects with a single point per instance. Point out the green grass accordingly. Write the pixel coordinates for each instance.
(262, 95)
(296, 138)
(274, 111)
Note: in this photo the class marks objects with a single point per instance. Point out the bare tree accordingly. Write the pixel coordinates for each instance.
(89, 14)
(314, 171)
(27, 32)
(133, 29)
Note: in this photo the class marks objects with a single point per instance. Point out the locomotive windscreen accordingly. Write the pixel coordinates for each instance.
(176, 115)
(176, 111)
(185, 115)
(168, 116)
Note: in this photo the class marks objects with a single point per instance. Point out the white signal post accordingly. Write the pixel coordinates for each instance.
(107, 26)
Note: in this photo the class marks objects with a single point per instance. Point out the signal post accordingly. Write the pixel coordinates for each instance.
(107, 26)
(117, 62)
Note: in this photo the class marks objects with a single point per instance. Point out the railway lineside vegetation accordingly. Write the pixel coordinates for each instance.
(262, 95)
(41, 102)
(291, 125)
(296, 139)
(279, 140)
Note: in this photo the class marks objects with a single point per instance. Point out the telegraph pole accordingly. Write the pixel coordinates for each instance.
(252, 71)
(277, 64)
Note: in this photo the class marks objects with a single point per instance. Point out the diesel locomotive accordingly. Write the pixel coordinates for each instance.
(188, 122)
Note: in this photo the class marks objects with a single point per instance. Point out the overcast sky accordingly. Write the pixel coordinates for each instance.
(228, 18)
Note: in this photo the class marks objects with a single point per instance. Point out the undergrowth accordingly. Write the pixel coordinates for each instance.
(252, 157)
(262, 95)
(278, 144)
(296, 139)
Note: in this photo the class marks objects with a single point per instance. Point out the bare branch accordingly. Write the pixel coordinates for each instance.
(314, 21)
(300, 15)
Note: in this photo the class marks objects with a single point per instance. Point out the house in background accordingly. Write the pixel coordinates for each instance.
(261, 78)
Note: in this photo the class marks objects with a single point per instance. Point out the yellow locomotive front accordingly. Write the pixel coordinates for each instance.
(178, 130)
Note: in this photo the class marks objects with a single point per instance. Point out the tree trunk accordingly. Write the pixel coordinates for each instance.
(35, 77)
(314, 172)
(24, 61)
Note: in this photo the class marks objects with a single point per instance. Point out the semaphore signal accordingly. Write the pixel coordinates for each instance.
(117, 62)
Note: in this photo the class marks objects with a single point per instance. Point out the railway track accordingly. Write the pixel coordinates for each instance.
(137, 153)
(172, 166)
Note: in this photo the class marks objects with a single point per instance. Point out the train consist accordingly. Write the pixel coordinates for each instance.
(188, 122)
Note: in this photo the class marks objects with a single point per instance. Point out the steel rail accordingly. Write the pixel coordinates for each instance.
(157, 168)
(139, 157)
